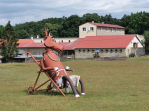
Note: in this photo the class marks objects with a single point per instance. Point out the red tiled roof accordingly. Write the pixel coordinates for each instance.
(106, 25)
(31, 45)
(116, 41)
(66, 45)
(71, 45)
(25, 41)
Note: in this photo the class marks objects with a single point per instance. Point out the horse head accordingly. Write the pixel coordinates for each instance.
(49, 42)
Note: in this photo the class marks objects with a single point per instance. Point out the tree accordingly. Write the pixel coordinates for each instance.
(1, 30)
(90, 17)
(146, 37)
(22, 34)
(70, 26)
(107, 19)
(135, 23)
(54, 29)
(9, 43)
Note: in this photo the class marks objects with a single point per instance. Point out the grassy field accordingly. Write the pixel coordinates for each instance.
(110, 86)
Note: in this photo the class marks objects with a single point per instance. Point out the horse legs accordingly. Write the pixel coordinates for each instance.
(82, 87)
(72, 86)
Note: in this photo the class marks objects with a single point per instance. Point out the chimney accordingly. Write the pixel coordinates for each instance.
(102, 22)
(32, 37)
(92, 21)
(37, 36)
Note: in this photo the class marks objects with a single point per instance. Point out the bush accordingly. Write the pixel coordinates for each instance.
(132, 55)
(4, 60)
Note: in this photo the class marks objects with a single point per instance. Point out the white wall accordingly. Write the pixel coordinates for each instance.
(57, 40)
(140, 50)
(83, 34)
(135, 40)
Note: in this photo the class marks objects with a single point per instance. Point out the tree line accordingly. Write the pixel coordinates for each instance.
(136, 23)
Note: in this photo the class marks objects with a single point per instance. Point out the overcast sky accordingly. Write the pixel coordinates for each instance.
(21, 11)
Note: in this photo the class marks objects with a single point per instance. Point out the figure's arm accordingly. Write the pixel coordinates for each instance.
(42, 66)
(69, 70)
(28, 53)
(38, 60)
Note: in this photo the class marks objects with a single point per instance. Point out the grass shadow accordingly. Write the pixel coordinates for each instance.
(51, 93)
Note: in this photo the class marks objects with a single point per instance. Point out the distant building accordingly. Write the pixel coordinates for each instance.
(100, 29)
(58, 40)
(108, 46)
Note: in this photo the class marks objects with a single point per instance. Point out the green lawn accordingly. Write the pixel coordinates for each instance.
(110, 86)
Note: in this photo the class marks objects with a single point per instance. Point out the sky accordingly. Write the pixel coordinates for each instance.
(21, 11)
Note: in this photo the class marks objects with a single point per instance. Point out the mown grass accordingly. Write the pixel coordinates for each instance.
(110, 86)
(66, 60)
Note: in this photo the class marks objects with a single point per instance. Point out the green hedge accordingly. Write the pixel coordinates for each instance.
(132, 55)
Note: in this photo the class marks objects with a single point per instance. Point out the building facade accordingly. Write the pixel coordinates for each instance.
(58, 40)
(99, 29)
(110, 46)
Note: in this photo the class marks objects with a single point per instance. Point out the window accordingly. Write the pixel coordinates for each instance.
(101, 50)
(111, 51)
(100, 28)
(115, 30)
(115, 50)
(83, 50)
(111, 29)
(91, 29)
(121, 50)
(135, 45)
(20, 53)
(106, 50)
(93, 51)
(121, 30)
(84, 29)
(107, 29)
(88, 50)
(79, 50)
